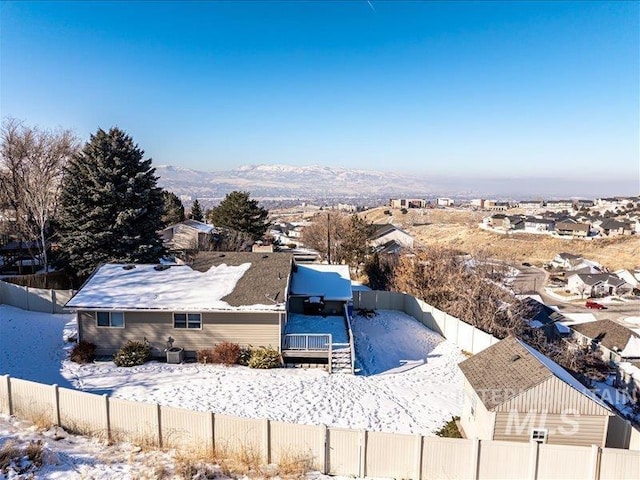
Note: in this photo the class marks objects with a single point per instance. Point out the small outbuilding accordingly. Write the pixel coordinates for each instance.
(515, 393)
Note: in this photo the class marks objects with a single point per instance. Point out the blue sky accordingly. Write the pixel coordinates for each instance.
(487, 89)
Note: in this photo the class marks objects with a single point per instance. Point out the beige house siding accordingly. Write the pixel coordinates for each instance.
(569, 429)
(553, 396)
(480, 423)
(244, 328)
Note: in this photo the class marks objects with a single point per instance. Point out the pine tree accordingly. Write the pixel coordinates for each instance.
(239, 212)
(111, 207)
(196, 211)
(173, 209)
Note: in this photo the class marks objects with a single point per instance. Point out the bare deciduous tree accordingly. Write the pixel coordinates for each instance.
(31, 163)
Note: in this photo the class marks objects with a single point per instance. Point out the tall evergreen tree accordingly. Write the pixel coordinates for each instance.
(196, 211)
(110, 205)
(239, 212)
(173, 208)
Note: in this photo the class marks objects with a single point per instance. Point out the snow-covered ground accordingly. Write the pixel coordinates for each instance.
(419, 400)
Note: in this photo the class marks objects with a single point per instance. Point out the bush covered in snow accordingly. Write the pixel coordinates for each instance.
(83, 352)
(132, 354)
(226, 353)
(265, 357)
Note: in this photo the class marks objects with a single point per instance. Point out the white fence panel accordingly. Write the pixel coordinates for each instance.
(5, 399)
(186, 429)
(564, 462)
(449, 458)
(14, 295)
(344, 451)
(60, 299)
(616, 464)
(40, 300)
(248, 436)
(505, 460)
(298, 443)
(83, 413)
(134, 421)
(466, 335)
(393, 455)
(34, 401)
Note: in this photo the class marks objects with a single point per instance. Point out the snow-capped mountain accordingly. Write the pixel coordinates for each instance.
(287, 181)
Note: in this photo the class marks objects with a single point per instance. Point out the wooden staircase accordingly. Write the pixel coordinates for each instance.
(341, 358)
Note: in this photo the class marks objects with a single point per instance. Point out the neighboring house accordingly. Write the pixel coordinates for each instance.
(383, 233)
(498, 220)
(611, 227)
(566, 260)
(531, 204)
(497, 206)
(445, 202)
(514, 222)
(539, 224)
(515, 393)
(539, 315)
(221, 297)
(574, 229)
(560, 204)
(597, 284)
(188, 235)
(584, 204)
(631, 277)
(616, 342)
(408, 203)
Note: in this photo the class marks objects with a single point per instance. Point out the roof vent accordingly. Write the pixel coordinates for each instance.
(221, 255)
(515, 358)
(128, 267)
(160, 267)
(265, 256)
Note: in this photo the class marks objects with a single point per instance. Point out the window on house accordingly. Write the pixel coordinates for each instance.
(473, 406)
(539, 435)
(110, 319)
(187, 320)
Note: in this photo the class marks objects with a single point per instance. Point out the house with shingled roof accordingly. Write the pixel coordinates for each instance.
(512, 392)
(616, 342)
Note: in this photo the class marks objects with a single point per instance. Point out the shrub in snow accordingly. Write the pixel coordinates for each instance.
(83, 352)
(450, 429)
(265, 357)
(226, 353)
(132, 354)
(204, 356)
(245, 356)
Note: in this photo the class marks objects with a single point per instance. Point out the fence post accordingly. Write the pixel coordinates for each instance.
(56, 404)
(107, 416)
(418, 454)
(27, 297)
(159, 422)
(362, 470)
(212, 424)
(266, 437)
(475, 459)
(594, 467)
(7, 379)
(325, 444)
(53, 300)
(533, 461)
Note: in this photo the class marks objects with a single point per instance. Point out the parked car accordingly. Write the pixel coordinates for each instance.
(594, 305)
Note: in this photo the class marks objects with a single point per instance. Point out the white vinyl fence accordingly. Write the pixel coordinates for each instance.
(330, 450)
(34, 299)
(467, 337)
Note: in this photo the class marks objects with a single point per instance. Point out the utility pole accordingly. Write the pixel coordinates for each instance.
(328, 239)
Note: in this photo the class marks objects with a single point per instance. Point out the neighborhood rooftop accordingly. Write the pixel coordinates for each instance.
(513, 367)
(611, 335)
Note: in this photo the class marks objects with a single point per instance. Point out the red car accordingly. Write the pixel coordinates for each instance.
(596, 305)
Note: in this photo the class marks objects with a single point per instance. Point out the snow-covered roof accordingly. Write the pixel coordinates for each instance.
(333, 282)
(150, 287)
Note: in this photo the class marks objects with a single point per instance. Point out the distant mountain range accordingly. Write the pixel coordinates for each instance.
(285, 181)
(276, 182)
